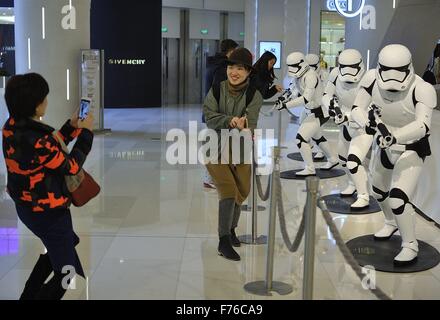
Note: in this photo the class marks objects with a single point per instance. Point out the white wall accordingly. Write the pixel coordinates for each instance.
(54, 55)
(416, 24)
(171, 20)
(370, 39)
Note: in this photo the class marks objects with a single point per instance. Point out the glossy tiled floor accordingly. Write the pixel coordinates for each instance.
(151, 234)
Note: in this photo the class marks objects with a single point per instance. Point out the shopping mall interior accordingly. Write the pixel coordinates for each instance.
(152, 233)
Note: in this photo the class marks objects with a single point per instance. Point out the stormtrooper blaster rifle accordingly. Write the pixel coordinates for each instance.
(284, 96)
(336, 112)
(287, 94)
(386, 138)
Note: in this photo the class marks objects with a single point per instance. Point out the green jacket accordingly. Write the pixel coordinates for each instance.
(219, 115)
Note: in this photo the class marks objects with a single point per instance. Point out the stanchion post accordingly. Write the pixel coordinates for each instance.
(312, 184)
(253, 194)
(264, 288)
(280, 128)
(254, 200)
(272, 218)
(253, 238)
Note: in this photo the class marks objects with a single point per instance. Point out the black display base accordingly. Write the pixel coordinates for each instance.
(321, 174)
(380, 254)
(337, 204)
(297, 157)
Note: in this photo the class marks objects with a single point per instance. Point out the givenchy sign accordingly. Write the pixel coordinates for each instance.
(127, 61)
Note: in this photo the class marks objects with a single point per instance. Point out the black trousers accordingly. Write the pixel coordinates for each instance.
(54, 228)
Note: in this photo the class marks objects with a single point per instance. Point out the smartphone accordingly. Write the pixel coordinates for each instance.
(84, 108)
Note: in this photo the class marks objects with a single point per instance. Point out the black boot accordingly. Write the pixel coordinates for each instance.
(234, 240)
(53, 290)
(39, 274)
(226, 250)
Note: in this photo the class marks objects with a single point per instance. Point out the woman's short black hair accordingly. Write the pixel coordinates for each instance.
(24, 93)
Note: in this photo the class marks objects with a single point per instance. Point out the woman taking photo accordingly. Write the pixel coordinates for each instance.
(234, 104)
(37, 166)
(263, 76)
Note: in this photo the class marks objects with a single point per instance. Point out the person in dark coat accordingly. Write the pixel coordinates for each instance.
(263, 76)
(215, 74)
(37, 166)
(216, 65)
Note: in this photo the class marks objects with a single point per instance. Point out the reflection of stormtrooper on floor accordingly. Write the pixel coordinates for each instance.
(310, 95)
(354, 144)
(401, 116)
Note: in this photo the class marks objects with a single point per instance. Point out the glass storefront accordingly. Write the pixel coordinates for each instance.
(332, 40)
(7, 42)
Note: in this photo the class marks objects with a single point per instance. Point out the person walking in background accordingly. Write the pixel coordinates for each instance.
(216, 73)
(216, 65)
(263, 76)
(233, 104)
(37, 166)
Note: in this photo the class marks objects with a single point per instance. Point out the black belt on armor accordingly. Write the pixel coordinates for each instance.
(422, 147)
(317, 112)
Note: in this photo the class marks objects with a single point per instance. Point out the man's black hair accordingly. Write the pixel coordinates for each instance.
(228, 45)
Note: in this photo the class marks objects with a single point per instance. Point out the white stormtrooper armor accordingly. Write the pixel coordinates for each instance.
(310, 95)
(339, 95)
(402, 105)
(315, 63)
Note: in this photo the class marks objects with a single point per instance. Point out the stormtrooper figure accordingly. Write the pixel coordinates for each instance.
(314, 62)
(310, 96)
(354, 144)
(400, 115)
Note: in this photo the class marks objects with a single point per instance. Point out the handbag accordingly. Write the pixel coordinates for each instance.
(82, 186)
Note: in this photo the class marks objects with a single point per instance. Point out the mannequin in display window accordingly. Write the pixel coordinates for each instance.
(309, 95)
(400, 117)
(339, 95)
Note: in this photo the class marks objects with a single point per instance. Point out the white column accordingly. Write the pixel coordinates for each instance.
(251, 26)
(51, 49)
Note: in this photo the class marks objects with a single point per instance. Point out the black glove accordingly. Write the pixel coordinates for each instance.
(386, 142)
(280, 105)
(370, 130)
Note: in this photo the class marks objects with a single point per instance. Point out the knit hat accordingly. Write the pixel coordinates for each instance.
(241, 56)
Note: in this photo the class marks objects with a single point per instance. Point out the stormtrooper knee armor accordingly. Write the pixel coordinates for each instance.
(396, 105)
(310, 95)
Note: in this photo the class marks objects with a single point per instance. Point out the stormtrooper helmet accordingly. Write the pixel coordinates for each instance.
(351, 66)
(297, 64)
(395, 71)
(313, 61)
